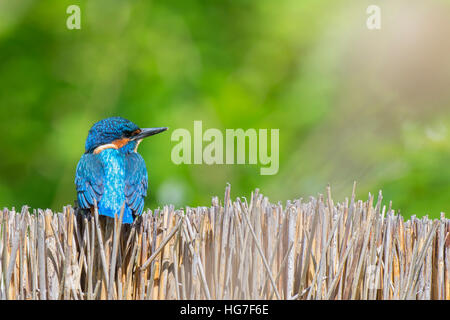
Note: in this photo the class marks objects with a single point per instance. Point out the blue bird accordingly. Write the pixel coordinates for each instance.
(111, 172)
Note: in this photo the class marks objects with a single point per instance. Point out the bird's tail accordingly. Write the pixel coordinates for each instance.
(110, 212)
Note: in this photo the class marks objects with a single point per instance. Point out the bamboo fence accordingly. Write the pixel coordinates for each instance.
(234, 250)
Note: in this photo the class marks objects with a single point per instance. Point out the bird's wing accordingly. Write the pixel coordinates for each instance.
(89, 180)
(136, 182)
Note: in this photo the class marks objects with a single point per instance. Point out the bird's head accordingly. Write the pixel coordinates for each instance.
(117, 133)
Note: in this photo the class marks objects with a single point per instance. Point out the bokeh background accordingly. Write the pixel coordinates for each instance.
(350, 103)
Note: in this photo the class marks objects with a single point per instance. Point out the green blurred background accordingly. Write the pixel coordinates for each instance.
(350, 103)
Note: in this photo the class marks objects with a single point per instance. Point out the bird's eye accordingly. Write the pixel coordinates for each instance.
(128, 134)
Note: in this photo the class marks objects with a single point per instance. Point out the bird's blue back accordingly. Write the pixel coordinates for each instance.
(112, 177)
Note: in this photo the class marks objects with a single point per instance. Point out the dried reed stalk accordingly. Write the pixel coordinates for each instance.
(235, 250)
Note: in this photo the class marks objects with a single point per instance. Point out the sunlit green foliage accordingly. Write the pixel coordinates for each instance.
(350, 103)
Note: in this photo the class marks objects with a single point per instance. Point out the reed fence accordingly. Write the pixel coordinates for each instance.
(232, 250)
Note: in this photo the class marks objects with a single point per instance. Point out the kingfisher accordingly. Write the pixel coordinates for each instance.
(111, 172)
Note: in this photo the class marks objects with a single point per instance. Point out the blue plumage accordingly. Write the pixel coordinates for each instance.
(111, 172)
(108, 130)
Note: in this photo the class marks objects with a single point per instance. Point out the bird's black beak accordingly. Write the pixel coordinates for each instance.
(147, 132)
